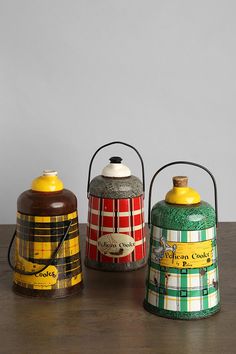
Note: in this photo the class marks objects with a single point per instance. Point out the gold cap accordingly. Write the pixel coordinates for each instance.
(181, 193)
(48, 182)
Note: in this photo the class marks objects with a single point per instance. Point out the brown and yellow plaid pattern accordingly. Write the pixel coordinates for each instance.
(37, 238)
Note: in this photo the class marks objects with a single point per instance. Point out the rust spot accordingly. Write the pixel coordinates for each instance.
(215, 284)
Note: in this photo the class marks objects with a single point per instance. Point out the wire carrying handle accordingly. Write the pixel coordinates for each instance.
(112, 143)
(183, 163)
(50, 261)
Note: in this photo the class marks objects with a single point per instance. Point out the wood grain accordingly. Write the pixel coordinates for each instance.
(107, 316)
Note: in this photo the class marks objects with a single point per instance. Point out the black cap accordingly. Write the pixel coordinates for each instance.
(115, 159)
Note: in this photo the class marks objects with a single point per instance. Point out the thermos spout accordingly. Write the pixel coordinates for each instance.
(180, 181)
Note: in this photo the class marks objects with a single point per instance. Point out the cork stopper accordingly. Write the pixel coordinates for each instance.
(181, 193)
(180, 181)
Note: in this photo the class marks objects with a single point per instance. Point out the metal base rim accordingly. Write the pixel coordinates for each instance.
(115, 267)
(47, 294)
(177, 315)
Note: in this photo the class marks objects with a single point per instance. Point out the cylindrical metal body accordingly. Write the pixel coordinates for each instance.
(183, 281)
(42, 220)
(116, 230)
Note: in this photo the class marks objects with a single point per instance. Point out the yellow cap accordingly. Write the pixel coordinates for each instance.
(181, 193)
(48, 182)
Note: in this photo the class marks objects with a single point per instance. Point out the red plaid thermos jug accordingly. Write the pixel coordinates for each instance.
(47, 251)
(116, 229)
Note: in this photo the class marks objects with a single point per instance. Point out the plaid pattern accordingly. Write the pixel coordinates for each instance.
(37, 238)
(183, 236)
(116, 216)
(182, 289)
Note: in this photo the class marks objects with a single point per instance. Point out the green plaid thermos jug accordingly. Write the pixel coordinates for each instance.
(47, 248)
(182, 279)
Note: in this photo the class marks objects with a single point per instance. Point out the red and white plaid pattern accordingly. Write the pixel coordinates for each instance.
(121, 216)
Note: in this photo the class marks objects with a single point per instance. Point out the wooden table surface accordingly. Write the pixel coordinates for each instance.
(107, 317)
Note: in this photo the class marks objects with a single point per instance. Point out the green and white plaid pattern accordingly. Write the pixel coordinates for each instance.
(179, 289)
(183, 236)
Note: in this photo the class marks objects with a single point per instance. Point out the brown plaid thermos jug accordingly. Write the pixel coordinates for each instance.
(47, 247)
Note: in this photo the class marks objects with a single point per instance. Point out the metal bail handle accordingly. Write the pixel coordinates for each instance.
(183, 163)
(112, 143)
(51, 260)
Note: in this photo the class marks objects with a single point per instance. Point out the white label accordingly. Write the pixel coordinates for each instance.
(116, 245)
